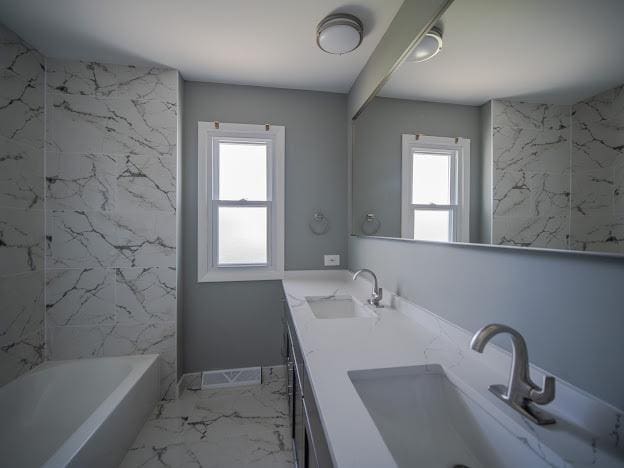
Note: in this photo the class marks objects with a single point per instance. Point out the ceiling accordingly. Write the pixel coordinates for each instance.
(265, 43)
(554, 51)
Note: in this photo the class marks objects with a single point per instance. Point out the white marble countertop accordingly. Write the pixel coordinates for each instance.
(402, 334)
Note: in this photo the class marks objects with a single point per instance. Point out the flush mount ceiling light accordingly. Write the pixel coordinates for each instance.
(428, 47)
(339, 34)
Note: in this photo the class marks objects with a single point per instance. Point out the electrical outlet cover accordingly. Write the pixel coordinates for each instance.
(332, 260)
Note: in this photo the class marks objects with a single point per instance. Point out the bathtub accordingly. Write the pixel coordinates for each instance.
(80, 413)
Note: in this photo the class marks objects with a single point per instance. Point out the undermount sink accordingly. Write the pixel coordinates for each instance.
(427, 421)
(335, 307)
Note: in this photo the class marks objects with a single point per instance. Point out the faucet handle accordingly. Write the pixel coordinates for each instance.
(544, 395)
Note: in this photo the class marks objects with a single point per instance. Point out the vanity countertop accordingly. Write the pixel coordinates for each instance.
(403, 334)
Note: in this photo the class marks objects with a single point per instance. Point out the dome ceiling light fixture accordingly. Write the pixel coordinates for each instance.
(339, 34)
(428, 47)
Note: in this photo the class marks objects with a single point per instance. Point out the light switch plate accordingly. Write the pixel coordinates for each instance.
(332, 260)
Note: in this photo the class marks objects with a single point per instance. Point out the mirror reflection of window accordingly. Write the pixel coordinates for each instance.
(435, 206)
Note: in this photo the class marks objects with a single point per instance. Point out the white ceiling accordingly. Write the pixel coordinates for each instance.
(265, 43)
(554, 51)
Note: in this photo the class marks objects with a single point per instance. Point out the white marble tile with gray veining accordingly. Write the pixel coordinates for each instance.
(593, 192)
(21, 240)
(550, 194)
(21, 110)
(85, 124)
(516, 114)
(141, 127)
(596, 145)
(517, 149)
(145, 295)
(80, 181)
(19, 58)
(20, 354)
(146, 239)
(512, 194)
(147, 83)
(22, 306)
(80, 297)
(243, 426)
(21, 175)
(146, 183)
(111, 80)
(595, 232)
(76, 342)
(618, 189)
(76, 124)
(82, 78)
(150, 338)
(543, 231)
(81, 239)
(607, 106)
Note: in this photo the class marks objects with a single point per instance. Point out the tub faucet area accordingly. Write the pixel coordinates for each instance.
(521, 391)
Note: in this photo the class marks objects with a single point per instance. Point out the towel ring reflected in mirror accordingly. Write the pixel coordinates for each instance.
(371, 224)
(319, 224)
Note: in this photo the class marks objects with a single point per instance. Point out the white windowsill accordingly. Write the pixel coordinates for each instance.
(238, 275)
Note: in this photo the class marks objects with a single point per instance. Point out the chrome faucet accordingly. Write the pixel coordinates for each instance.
(377, 293)
(521, 391)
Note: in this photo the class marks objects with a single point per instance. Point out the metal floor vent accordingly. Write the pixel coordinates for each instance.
(231, 377)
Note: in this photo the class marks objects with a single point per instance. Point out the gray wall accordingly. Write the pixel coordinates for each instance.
(568, 307)
(238, 324)
(21, 206)
(377, 155)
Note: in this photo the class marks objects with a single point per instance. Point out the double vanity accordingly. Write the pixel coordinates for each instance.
(395, 385)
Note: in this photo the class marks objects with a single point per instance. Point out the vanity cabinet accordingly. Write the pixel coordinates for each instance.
(308, 438)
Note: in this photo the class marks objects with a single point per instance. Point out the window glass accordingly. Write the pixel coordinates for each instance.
(242, 235)
(431, 181)
(432, 225)
(242, 171)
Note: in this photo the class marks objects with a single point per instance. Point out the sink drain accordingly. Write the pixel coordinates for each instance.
(460, 466)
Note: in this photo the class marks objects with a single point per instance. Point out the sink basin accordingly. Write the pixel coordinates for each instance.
(336, 307)
(427, 421)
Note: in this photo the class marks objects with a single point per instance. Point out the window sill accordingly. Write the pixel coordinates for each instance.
(246, 275)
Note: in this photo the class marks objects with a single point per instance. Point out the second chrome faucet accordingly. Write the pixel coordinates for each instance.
(521, 391)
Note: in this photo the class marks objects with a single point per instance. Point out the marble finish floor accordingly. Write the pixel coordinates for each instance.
(232, 427)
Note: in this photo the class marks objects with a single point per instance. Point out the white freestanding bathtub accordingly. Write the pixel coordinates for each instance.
(80, 413)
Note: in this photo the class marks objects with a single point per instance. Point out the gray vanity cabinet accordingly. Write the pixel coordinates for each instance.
(309, 442)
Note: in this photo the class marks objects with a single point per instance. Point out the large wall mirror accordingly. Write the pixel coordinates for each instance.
(503, 126)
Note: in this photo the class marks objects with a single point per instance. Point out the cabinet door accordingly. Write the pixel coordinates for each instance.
(316, 434)
(299, 422)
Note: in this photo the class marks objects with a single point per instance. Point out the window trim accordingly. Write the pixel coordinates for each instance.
(207, 207)
(460, 217)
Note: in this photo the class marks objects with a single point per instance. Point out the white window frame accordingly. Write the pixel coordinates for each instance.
(209, 135)
(459, 229)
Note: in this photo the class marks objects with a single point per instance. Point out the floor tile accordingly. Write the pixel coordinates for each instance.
(231, 427)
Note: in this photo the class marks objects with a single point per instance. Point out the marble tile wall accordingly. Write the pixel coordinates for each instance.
(111, 149)
(531, 174)
(21, 206)
(597, 221)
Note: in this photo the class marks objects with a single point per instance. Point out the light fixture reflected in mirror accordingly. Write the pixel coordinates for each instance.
(428, 47)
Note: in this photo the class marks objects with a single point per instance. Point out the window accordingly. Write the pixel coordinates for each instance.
(435, 197)
(241, 202)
